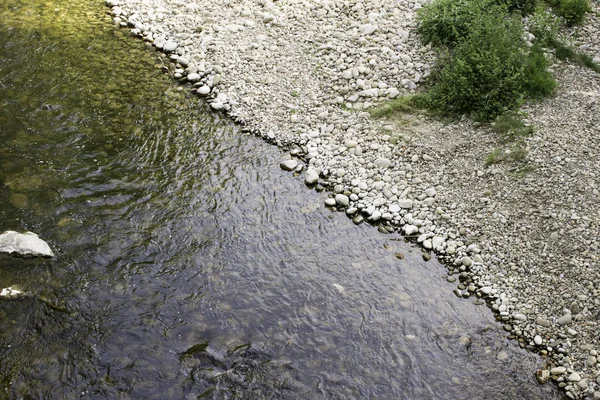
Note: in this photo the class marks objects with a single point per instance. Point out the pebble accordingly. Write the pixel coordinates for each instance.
(565, 319)
(204, 90)
(394, 208)
(537, 339)
(574, 377)
(405, 203)
(410, 229)
(431, 192)
(342, 199)
(382, 162)
(311, 176)
(542, 321)
(558, 370)
(437, 241)
(288, 165)
(486, 290)
(170, 46)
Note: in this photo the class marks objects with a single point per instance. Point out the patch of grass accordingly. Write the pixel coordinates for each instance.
(510, 127)
(525, 7)
(515, 154)
(521, 171)
(538, 82)
(494, 157)
(564, 52)
(400, 104)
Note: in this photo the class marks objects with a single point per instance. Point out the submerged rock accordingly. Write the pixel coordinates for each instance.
(24, 244)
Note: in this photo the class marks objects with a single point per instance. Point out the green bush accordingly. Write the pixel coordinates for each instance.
(445, 22)
(573, 11)
(484, 74)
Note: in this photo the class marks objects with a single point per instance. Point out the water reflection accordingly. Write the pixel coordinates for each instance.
(188, 265)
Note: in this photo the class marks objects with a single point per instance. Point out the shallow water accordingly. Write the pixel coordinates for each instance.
(188, 265)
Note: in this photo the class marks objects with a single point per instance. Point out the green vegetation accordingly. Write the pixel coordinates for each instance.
(510, 127)
(485, 68)
(573, 11)
(401, 104)
(512, 132)
(564, 52)
(544, 25)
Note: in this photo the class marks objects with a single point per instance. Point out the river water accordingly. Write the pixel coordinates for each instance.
(188, 264)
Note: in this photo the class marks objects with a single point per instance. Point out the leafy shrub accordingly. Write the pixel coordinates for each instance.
(484, 74)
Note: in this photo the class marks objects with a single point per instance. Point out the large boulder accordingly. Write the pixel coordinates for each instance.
(26, 244)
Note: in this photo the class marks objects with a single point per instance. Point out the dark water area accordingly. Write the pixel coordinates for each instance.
(188, 265)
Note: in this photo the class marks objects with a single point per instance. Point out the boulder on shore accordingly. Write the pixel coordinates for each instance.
(26, 244)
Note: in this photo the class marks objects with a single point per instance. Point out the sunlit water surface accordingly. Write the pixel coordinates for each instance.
(188, 265)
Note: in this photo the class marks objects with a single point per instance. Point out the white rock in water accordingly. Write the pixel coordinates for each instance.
(338, 287)
(558, 370)
(10, 293)
(25, 244)
(538, 340)
(288, 165)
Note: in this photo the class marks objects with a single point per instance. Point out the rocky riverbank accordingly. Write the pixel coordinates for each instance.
(304, 74)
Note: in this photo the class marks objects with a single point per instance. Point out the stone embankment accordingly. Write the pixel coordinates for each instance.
(304, 74)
